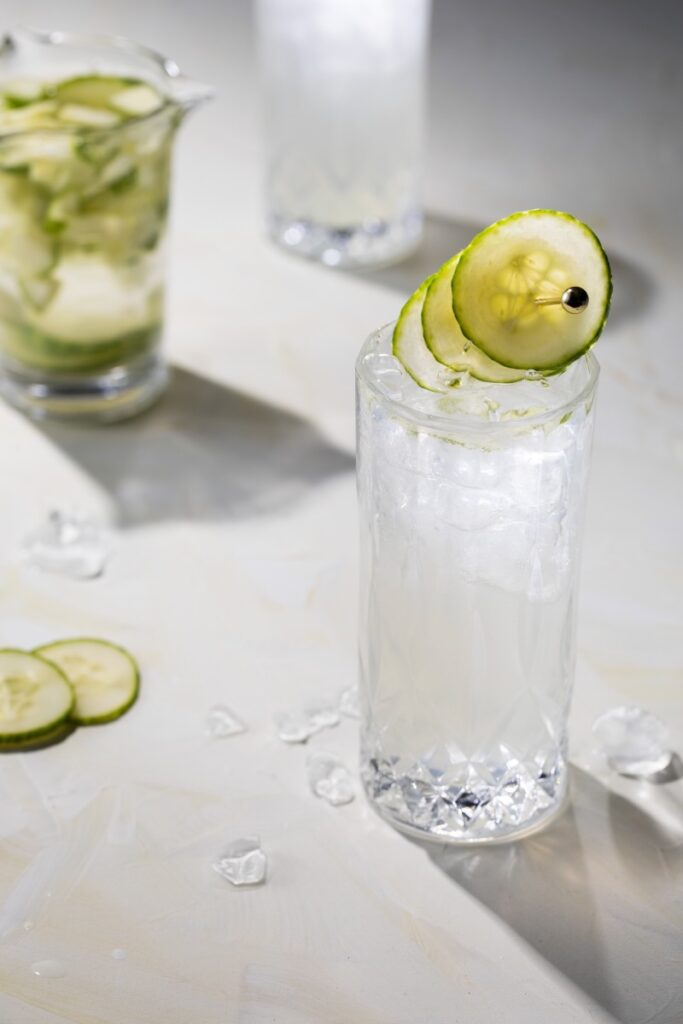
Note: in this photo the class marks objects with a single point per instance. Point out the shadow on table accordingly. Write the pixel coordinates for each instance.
(671, 772)
(205, 452)
(634, 290)
(597, 894)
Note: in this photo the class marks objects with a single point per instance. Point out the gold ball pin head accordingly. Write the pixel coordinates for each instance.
(574, 299)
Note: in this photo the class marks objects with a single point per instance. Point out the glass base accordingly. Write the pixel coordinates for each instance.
(477, 809)
(107, 397)
(372, 244)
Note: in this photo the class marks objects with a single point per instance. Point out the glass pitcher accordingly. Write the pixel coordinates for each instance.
(86, 131)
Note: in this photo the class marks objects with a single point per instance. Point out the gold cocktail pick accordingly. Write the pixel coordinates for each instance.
(572, 300)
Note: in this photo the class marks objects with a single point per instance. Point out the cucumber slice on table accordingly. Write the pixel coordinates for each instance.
(45, 739)
(105, 678)
(411, 351)
(446, 341)
(35, 697)
(502, 273)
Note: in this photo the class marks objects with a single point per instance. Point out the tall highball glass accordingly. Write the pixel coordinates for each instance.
(471, 508)
(343, 84)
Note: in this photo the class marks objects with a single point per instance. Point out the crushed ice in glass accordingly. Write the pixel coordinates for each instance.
(299, 726)
(348, 702)
(329, 779)
(222, 722)
(243, 862)
(68, 545)
(634, 741)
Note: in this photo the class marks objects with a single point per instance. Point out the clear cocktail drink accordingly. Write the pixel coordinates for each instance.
(471, 507)
(343, 96)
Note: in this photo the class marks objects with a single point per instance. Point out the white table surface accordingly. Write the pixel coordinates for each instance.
(233, 578)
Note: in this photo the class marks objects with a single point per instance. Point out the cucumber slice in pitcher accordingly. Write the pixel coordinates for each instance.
(137, 101)
(505, 271)
(21, 92)
(25, 250)
(112, 175)
(91, 90)
(32, 255)
(29, 117)
(87, 117)
(105, 678)
(39, 292)
(446, 341)
(35, 696)
(410, 348)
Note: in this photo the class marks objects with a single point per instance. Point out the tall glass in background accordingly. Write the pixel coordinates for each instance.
(83, 217)
(471, 508)
(343, 92)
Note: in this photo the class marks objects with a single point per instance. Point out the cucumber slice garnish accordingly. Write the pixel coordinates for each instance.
(532, 255)
(105, 678)
(446, 341)
(35, 696)
(410, 349)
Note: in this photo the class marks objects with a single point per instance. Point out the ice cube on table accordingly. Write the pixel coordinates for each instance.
(68, 545)
(329, 779)
(243, 862)
(299, 726)
(634, 741)
(349, 702)
(222, 722)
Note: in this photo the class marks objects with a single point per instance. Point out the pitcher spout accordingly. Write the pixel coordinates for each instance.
(186, 93)
(30, 53)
